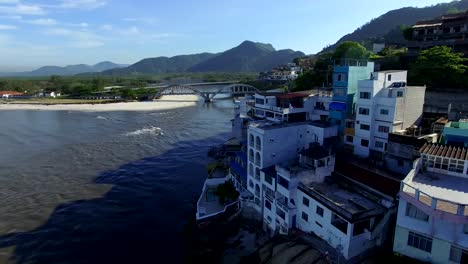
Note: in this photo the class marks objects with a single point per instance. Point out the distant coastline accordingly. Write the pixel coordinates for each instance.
(165, 103)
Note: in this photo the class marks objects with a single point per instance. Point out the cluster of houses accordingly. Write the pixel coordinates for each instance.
(14, 94)
(354, 166)
(282, 73)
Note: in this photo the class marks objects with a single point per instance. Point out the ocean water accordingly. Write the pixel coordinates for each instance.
(108, 187)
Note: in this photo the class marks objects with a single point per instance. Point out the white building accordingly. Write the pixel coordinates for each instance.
(298, 106)
(280, 185)
(432, 223)
(384, 105)
(272, 143)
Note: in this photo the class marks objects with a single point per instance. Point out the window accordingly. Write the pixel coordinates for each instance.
(305, 217)
(339, 223)
(364, 95)
(363, 111)
(283, 182)
(465, 228)
(319, 211)
(360, 227)
(268, 204)
(389, 77)
(258, 143)
(364, 142)
(384, 129)
(305, 201)
(257, 173)
(365, 127)
(251, 140)
(384, 111)
(269, 179)
(456, 166)
(251, 171)
(458, 254)
(280, 213)
(259, 101)
(251, 155)
(317, 223)
(258, 160)
(413, 212)
(378, 144)
(338, 77)
(399, 94)
(251, 184)
(349, 139)
(420, 241)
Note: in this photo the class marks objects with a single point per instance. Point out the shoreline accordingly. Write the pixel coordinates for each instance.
(165, 103)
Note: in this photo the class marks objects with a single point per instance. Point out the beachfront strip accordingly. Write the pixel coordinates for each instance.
(354, 166)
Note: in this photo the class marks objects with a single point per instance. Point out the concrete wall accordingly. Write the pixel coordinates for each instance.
(414, 103)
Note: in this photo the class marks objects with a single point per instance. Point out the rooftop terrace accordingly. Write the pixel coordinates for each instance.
(267, 125)
(350, 205)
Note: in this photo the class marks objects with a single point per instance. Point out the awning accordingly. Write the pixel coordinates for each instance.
(338, 106)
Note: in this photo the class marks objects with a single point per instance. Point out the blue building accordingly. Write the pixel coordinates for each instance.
(456, 134)
(346, 74)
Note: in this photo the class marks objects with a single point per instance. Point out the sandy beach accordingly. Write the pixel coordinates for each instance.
(165, 103)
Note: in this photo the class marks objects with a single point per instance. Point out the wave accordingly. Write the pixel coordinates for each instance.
(103, 118)
(146, 131)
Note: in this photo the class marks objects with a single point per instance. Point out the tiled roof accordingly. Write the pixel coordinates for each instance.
(11, 92)
(445, 151)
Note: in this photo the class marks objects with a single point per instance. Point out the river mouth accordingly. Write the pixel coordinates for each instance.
(81, 186)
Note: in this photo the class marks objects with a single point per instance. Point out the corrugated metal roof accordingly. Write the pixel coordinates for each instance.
(445, 151)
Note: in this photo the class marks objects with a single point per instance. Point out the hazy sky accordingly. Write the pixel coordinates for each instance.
(60, 32)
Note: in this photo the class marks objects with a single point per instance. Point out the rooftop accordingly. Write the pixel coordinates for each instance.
(11, 92)
(377, 180)
(445, 151)
(440, 186)
(267, 125)
(349, 205)
(315, 151)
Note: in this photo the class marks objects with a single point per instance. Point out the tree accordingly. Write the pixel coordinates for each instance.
(128, 93)
(439, 67)
(226, 192)
(351, 50)
(407, 32)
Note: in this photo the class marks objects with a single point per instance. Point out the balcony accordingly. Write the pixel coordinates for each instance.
(281, 203)
(258, 147)
(349, 131)
(434, 203)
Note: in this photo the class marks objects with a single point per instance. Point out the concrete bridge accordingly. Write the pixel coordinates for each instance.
(207, 93)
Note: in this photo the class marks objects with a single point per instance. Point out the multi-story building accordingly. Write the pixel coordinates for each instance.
(281, 183)
(272, 143)
(403, 149)
(293, 107)
(346, 74)
(447, 30)
(384, 105)
(432, 222)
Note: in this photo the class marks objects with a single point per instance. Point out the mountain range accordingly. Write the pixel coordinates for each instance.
(68, 70)
(386, 28)
(247, 57)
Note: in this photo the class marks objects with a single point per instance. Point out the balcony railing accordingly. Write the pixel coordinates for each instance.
(435, 203)
(283, 205)
(258, 147)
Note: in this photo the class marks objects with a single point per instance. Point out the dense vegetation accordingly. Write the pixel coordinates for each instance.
(437, 68)
(132, 85)
(386, 28)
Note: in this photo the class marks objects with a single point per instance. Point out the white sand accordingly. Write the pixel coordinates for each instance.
(166, 102)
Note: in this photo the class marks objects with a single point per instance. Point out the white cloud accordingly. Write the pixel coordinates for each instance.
(107, 27)
(87, 44)
(58, 32)
(82, 4)
(42, 22)
(82, 25)
(22, 9)
(7, 27)
(78, 38)
(148, 20)
(14, 17)
(131, 31)
(9, 1)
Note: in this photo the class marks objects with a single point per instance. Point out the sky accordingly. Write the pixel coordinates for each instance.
(35, 33)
